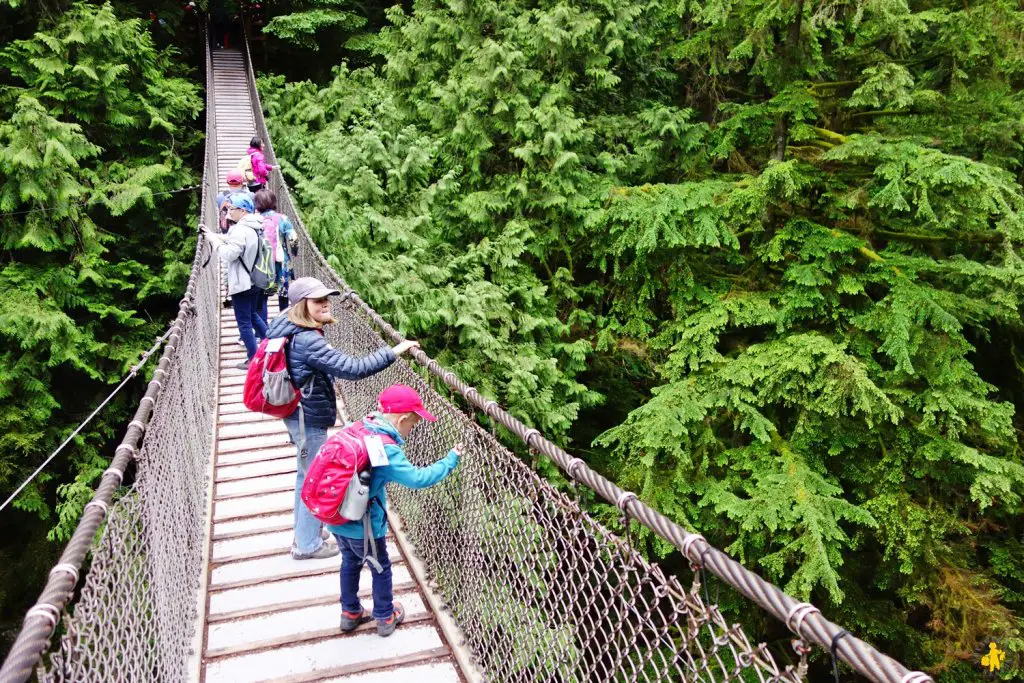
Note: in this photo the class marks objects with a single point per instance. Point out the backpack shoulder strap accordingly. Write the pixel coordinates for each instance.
(241, 259)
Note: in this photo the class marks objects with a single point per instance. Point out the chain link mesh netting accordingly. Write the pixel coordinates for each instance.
(541, 591)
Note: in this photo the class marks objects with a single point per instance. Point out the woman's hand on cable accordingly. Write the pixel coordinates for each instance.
(459, 448)
(405, 346)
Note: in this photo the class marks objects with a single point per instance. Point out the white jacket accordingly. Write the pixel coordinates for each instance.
(240, 244)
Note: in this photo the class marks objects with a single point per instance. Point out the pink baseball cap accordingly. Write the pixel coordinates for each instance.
(234, 178)
(399, 398)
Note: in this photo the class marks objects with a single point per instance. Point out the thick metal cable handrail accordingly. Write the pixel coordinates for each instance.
(41, 619)
(804, 620)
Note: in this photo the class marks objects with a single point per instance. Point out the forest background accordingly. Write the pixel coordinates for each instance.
(100, 120)
(758, 261)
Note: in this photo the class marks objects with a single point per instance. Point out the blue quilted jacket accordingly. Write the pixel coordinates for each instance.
(309, 354)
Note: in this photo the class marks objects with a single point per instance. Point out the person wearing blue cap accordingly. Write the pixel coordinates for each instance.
(238, 249)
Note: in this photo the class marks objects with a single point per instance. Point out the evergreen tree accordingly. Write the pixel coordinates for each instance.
(96, 123)
(782, 240)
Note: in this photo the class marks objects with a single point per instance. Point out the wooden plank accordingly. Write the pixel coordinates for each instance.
(297, 574)
(404, 587)
(293, 639)
(229, 535)
(438, 653)
(248, 494)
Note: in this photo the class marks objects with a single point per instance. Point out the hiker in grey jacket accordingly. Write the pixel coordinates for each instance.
(238, 249)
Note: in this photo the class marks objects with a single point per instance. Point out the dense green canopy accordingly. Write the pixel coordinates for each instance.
(758, 261)
(97, 127)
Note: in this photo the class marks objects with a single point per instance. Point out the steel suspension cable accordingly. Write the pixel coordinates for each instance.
(127, 378)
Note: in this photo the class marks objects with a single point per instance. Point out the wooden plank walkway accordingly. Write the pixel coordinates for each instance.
(269, 617)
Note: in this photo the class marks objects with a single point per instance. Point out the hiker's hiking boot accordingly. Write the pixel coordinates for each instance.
(385, 627)
(324, 551)
(350, 621)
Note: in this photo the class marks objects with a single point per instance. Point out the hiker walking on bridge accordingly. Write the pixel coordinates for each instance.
(238, 249)
(235, 182)
(399, 409)
(258, 166)
(313, 365)
(283, 240)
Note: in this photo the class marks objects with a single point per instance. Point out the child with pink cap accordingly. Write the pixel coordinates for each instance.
(399, 410)
(236, 183)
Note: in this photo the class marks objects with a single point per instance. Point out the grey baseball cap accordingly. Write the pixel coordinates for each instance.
(308, 288)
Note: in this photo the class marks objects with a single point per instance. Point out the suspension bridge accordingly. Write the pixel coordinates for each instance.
(185, 574)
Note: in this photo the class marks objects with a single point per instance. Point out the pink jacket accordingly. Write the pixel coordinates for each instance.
(260, 169)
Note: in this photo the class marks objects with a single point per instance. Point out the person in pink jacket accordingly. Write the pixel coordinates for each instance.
(260, 168)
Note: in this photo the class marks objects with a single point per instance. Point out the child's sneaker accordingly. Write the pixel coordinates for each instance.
(350, 621)
(385, 627)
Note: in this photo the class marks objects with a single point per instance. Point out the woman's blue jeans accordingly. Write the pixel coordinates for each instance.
(307, 527)
(248, 315)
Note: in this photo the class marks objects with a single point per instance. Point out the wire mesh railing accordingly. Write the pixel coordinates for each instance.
(541, 590)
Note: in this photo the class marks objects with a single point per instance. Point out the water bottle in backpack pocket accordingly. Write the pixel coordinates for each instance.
(338, 468)
(357, 497)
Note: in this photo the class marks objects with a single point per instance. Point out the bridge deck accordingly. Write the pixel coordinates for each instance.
(269, 617)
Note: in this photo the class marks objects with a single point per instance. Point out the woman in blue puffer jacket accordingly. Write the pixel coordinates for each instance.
(313, 365)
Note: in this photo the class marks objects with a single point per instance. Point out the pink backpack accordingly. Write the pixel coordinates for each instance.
(339, 462)
(270, 227)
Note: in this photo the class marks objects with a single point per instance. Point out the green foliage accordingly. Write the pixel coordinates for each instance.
(783, 239)
(96, 122)
(302, 21)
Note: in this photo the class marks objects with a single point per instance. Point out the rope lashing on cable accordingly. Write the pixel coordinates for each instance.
(687, 545)
(832, 652)
(916, 677)
(45, 610)
(66, 568)
(797, 614)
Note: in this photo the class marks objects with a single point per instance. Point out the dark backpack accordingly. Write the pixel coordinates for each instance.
(262, 270)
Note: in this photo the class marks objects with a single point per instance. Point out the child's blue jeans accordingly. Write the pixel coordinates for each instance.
(352, 564)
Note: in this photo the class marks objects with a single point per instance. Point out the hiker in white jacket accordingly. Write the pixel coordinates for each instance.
(238, 249)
